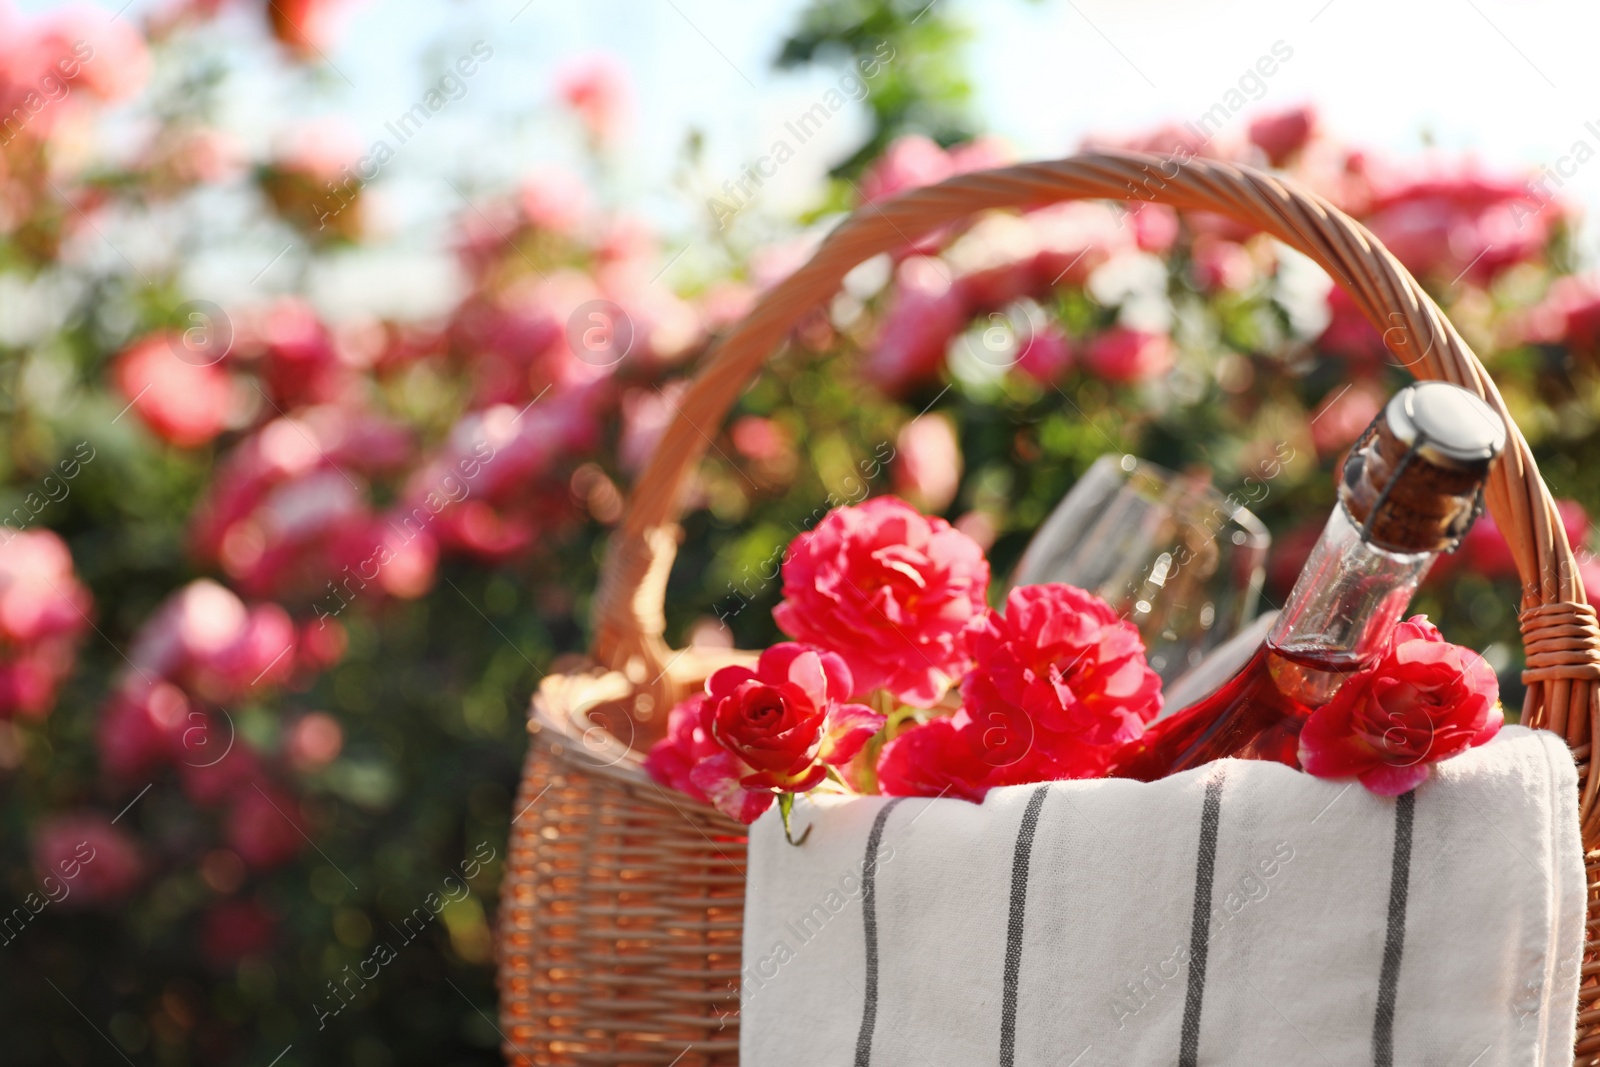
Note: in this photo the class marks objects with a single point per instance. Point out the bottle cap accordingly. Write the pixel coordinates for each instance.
(1446, 424)
(1414, 481)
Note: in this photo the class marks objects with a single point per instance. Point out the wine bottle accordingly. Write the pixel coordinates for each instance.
(1410, 489)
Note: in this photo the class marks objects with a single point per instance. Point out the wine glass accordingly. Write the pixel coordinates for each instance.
(1167, 551)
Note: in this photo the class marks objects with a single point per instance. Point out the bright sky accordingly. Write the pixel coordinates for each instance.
(1513, 83)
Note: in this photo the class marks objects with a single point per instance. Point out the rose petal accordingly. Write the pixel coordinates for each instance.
(841, 684)
(722, 683)
(849, 727)
(1496, 719)
(805, 673)
(802, 779)
(1329, 747)
(773, 667)
(719, 779)
(1389, 781)
(931, 760)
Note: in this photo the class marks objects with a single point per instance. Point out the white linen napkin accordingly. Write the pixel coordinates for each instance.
(1239, 913)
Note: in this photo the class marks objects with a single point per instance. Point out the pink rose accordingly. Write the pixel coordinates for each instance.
(1219, 264)
(924, 313)
(775, 729)
(1485, 548)
(1569, 314)
(1167, 139)
(909, 162)
(941, 757)
(1046, 356)
(96, 861)
(260, 829)
(1448, 214)
(1349, 333)
(1059, 683)
(963, 756)
(40, 596)
(889, 590)
(989, 287)
(1061, 661)
(1426, 700)
(1283, 133)
(205, 637)
(143, 727)
(761, 439)
(552, 198)
(1124, 355)
(1342, 417)
(596, 89)
(29, 677)
(1072, 239)
(1155, 227)
(398, 554)
(286, 505)
(296, 356)
(481, 530)
(1449, 221)
(980, 153)
(313, 741)
(323, 643)
(688, 742)
(1589, 576)
(43, 611)
(927, 464)
(115, 60)
(302, 25)
(184, 402)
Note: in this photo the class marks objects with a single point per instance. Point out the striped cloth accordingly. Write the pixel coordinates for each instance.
(1240, 913)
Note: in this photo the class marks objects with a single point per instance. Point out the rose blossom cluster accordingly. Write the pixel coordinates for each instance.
(1001, 259)
(43, 613)
(888, 609)
(203, 652)
(56, 70)
(534, 352)
(1058, 683)
(290, 512)
(1004, 259)
(45, 61)
(1445, 220)
(347, 458)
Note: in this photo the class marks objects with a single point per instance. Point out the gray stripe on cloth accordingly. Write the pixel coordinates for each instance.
(1399, 888)
(869, 922)
(1019, 904)
(1200, 926)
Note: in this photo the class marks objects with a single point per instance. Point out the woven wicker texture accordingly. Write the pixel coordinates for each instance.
(622, 903)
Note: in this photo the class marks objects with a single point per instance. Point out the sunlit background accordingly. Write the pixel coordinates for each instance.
(1486, 79)
(231, 377)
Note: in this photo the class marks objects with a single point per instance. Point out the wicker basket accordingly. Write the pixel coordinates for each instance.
(622, 907)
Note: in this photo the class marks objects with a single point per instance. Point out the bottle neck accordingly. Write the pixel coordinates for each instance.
(1348, 599)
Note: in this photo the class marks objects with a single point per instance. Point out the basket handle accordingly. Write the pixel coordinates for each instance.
(1559, 630)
